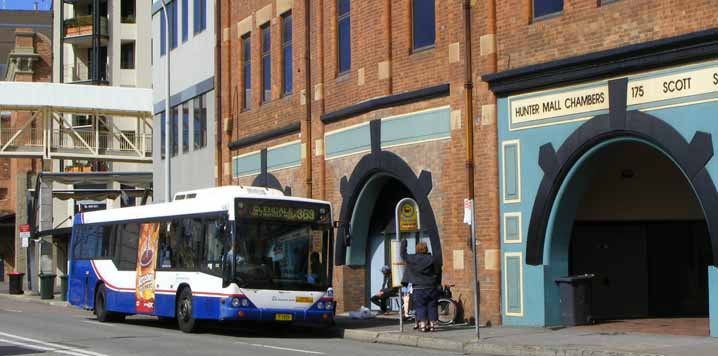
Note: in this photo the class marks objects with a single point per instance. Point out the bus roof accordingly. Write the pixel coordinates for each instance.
(190, 202)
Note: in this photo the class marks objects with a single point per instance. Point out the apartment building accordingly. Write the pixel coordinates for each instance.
(191, 57)
(106, 43)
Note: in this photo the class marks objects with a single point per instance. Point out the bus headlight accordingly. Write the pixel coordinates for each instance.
(235, 302)
(320, 305)
(328, 306)
(245, 302)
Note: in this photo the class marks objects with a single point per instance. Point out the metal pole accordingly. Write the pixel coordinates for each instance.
(168, 115)
(475, 272)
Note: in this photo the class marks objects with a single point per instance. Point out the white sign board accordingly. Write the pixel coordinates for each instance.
(467, 211)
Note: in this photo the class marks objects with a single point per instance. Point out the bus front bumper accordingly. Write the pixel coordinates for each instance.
(277, 315)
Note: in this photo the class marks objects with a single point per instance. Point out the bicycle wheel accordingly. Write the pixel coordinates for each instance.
(448, 311)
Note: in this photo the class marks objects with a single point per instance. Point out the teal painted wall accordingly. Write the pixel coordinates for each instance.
(348, 141)
(284, 156)
(539, 289)
(421, 126)
(247, 165)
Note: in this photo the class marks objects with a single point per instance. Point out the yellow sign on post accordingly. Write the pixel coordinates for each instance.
(408, 216)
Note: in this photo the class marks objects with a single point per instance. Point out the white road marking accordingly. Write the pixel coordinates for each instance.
(280, 348)
(59, 348)
(98, 323)
(12, 310)
(41, 348)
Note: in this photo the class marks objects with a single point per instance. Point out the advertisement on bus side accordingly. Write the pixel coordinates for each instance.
(145, 270)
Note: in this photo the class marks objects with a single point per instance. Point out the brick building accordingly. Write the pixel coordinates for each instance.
(606, 112)
(29, 59)
(377, 114)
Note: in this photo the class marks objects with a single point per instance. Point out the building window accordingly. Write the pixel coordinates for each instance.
(3, 193)
(185, 20)
(175, 133)
(605, 2)
(544, 8)
(185, 128)
(200, 16)
(246, 71)
(287, 53)
(163, 134)
(423, 26)
(172, 8)
(343, 36)
(127, 11)
(200, 122)
(127, 55)
(163, 35)
(266, 63)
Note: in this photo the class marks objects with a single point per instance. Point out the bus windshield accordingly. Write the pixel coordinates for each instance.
(282, 256)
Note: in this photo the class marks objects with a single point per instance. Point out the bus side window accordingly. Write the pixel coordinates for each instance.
(126, 254)
(214, 244)
(164, 245)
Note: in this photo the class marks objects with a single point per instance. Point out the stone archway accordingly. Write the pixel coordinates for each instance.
(374, 166)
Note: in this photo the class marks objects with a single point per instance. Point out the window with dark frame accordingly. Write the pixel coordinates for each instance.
(200, 16)
(287, 53)
(175, 129)
(200, 121)
(163, 134)
(185, 127)
(127, 11)
(606, 2)
(172, 9)
(185, 20)
(246, 71)
(163, 34)
(266, 63)
(127, 55)
(423, 25)
(545, 8)
(343, 37)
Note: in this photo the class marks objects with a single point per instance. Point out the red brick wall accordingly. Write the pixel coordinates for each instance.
(373, 42)
(585, 26)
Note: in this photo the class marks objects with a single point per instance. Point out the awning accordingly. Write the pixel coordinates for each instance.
(135, 179)
(99, 194)
(63, 232)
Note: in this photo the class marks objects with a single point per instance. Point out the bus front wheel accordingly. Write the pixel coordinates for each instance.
(103, 315)
(186, 322)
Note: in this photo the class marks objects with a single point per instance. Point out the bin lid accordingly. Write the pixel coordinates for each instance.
(48, 275)
(573, 279)
(15, 274)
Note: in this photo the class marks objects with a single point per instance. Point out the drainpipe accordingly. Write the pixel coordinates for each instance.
(308, 85)
(323, 161)
(469, 106)
(389, 55)
(218, 87)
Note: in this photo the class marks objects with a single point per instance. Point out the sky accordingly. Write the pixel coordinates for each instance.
(25, 4)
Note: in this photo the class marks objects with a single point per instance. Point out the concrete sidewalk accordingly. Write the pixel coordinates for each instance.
(29, 297)
(527, 341)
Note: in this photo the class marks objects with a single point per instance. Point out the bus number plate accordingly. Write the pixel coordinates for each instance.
(283, 317)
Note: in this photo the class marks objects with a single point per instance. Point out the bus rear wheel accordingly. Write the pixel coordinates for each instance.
(103, 315)
(186, 322)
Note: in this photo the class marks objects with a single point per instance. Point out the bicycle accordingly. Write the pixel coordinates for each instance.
(449, 310)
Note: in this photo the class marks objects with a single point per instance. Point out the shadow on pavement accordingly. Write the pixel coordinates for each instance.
(243, 328)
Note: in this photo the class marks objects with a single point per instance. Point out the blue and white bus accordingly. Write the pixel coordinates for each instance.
(227, 253)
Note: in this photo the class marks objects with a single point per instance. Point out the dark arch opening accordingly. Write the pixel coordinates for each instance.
(690, 158)
(376, 165)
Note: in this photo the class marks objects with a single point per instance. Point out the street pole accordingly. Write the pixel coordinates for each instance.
(476, 270)
(168, 115)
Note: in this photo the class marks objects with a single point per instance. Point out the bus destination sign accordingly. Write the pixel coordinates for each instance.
(281, 211)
